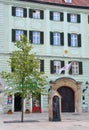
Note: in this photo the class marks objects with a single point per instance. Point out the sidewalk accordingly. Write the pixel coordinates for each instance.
(39, 121)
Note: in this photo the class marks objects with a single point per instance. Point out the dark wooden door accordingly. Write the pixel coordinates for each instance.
(17, 102)
(67, 101)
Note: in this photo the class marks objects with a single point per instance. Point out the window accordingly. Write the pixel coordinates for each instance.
(56, 16)
(68, 1)
(57, 38)
(74, 40)
(41, 65)
(19, 12)
(36, 14)
(76, 68)
(16, 34)
(36, 37)
(73, 18)
(55, 66)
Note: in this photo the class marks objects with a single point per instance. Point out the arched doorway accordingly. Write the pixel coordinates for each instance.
(68, 101)
(17, 102)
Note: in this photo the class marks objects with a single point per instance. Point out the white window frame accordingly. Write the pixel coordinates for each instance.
(56, 38)
(19, 12)
(74, 40)
(56, 16)
(75, 68)
(73, 18)
(18, 34)
(36, 14)
(57, 66)
(68, 1)
(36, 37)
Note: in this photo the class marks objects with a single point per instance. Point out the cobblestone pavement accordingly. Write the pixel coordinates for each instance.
(40, 121)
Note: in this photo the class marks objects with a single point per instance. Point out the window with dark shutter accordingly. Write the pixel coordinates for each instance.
(79, 40)
(30, 13)
(13, 35)
(68, 17)
(41, 65)
(88, 18)
(30, 36)
(80, 68)
(78, 18)
(13, 11)
(61, 16)
(62, 38)
(41, 38)
(51, 15)
(25, 33)
(70, 70)
(69, 39)
(62, 65)
(51, 38)
(42, 14)
(25, 12)
(51, 67)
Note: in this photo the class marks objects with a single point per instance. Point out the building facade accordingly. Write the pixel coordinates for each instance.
(58, 31)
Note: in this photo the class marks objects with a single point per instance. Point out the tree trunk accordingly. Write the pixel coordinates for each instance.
(22, 109)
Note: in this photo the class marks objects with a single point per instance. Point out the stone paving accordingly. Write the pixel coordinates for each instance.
(40, 121)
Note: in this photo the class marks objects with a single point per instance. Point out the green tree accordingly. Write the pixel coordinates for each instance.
(25, 76)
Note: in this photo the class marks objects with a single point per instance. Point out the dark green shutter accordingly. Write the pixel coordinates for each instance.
(62, 65)
(41, 14)
(61, 16)
(13, 11)
(51, 15)
(80, 68)
(88, 18)
(41, 38)
(70, 70)
(79, 40)
(51, 67)
(51, 38)
(25, 32)
(69, 39)
(41, 65)
(31, 36)
(68, 17)
(78, 18)
(30, 13)
(25, 12)
(13, 35)
(62, 38)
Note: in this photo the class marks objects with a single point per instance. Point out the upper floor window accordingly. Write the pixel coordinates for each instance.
(55, 66)
(57, 38)
(36, 14)
(19, 12)
(16, 34)
(74, 40)
(56, 16)
(74, 18)
(76, 68)
(68, 1)
(36, 37)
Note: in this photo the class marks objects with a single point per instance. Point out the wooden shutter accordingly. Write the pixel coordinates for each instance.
(88, 18)
(13, 11)
(61, 16)
(51, 67)
(51, 15)
(25, 12)
(69, 39)
(41, 65)
(78, 18)
(30, 13)
(51, 38)
(31, 36)
(62, 65)
(41, 14)
(68, 17)
(62, 38)
(41, 38)
(13, 35)
(79, 40)
(70, 70)
(80, 68)
(25, 33)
